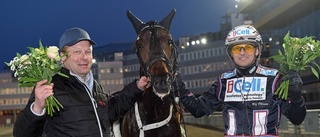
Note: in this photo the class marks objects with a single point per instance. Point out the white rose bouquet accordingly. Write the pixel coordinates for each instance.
(299, 54)
(38, 64)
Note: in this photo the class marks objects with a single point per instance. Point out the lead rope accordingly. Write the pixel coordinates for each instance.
(150, 126)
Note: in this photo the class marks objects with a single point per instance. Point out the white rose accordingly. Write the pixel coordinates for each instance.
(52, 52)
(37, 50)
(23, 58)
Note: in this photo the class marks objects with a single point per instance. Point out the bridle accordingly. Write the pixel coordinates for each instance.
(171, 62)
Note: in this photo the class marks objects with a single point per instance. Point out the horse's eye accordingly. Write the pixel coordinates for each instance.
(138, 45)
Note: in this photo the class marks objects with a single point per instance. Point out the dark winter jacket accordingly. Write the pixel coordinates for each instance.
(83, 114)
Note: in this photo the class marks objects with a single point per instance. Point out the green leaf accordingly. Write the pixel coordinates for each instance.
(8, 64)
(61, 74)
(315, 72)
(29, 79)
(314, 63)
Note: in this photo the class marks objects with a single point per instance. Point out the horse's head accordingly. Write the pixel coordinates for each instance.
(156, 51)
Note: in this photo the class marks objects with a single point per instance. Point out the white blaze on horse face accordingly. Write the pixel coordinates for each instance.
(160, 95)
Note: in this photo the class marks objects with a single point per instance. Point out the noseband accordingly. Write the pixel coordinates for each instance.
(170, 62)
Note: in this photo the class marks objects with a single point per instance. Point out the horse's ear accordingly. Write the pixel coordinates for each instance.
(166, 22)
(136, 22)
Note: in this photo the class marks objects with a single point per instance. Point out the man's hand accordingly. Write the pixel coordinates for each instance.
(42, 91)
(143, 83)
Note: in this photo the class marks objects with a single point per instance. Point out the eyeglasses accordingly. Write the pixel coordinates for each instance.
(248, 48)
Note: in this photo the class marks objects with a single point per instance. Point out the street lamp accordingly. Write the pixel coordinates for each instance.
(204, 41)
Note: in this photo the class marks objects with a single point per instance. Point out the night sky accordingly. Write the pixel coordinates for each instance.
(24, 22)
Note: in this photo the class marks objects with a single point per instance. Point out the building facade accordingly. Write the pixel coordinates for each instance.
(12, 98)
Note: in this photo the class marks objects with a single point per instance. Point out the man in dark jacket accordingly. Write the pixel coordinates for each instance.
(87, 110)
(247, 92)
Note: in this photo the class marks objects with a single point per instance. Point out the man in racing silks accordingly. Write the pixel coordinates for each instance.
(247, 92)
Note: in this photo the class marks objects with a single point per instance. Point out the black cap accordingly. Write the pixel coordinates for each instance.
(73, 36)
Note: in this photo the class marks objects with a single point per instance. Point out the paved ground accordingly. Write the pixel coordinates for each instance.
(195, 131)
(192, 131)
(6, 132)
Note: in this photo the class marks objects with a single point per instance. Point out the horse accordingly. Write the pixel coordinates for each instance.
(156, 114)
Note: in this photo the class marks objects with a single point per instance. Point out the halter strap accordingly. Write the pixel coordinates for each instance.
(150, 126)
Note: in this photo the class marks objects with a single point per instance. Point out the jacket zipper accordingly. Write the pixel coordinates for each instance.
(94, 105)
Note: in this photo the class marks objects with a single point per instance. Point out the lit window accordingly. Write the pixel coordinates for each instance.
(117, 82)
(102, 71)
(103, 82)
(25, 100)
(112, 82)
(107, 70)
(120, 70)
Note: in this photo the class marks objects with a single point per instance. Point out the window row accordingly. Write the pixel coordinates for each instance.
(111, 82)
(202, 54)
(5, 80)
(110, 70)
(132, 68)
(199, 83)
(206, 68)
(9, 112)
(13, 101)
(19, 90)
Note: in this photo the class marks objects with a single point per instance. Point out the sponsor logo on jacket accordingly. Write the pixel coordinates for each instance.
(246, 89)
(229, 74)
(267, 71)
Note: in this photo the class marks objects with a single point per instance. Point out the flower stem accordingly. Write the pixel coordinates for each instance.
(52, 104)
(282, 91)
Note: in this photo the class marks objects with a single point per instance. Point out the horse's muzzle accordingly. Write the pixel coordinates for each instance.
(161, 84)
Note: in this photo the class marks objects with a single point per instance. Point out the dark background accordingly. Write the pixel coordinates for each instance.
(24, 22)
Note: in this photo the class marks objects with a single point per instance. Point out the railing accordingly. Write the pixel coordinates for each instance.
(309, 128)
